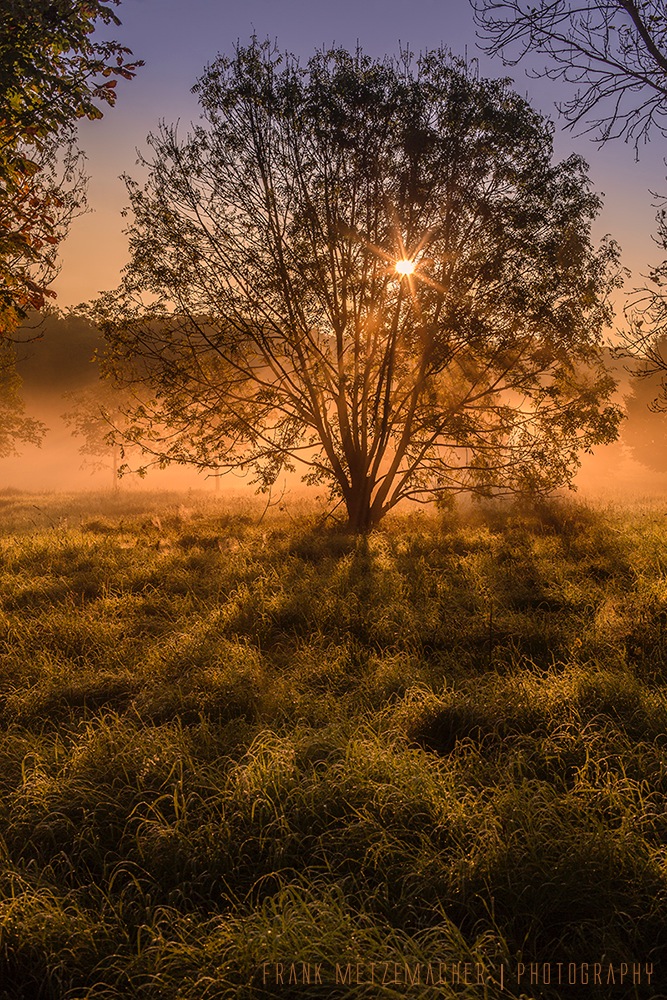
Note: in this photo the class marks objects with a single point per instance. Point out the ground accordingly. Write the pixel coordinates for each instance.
(247, 756)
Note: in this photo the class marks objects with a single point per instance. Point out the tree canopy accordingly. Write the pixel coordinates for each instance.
(92, 415)
(15, 426)
(368, 269)
(52, 73)
(615, 53)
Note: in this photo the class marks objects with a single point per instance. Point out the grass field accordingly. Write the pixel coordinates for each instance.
(236, 753)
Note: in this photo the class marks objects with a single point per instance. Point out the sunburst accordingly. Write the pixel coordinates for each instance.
(407, 264)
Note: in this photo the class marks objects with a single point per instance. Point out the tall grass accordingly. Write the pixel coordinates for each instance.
(231, 746)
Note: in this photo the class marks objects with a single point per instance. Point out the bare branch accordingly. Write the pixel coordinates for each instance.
(613, 51)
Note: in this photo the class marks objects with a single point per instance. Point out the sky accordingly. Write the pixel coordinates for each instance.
(177, 38)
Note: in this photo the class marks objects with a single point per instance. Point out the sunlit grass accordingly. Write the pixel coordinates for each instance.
(230, 740)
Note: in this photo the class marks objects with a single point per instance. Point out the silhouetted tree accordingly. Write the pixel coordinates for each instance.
(371, 269)
(62, 360)
(15, 426)
(645, 430)
(615, 53)
(645, 340)
(52, 74)
(94, 415)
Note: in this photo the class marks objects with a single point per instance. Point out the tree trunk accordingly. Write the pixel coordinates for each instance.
(114, 469)
(361, 517)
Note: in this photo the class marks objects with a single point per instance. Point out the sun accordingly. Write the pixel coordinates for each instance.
(404, 267)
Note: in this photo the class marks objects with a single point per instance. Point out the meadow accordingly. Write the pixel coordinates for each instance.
(238, 752)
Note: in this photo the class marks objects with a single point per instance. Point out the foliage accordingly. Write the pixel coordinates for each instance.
(39, 197)
(96, 414)
(263, 310)
(52, 74)
(226, 743)
(15, 426)
(613, 51)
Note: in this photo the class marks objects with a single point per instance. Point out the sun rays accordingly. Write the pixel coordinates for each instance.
(406, 262)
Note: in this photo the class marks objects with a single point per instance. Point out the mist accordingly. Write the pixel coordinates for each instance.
(56, 358)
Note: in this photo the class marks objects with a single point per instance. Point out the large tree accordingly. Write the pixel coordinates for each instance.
(371, 270)
(52, 73)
